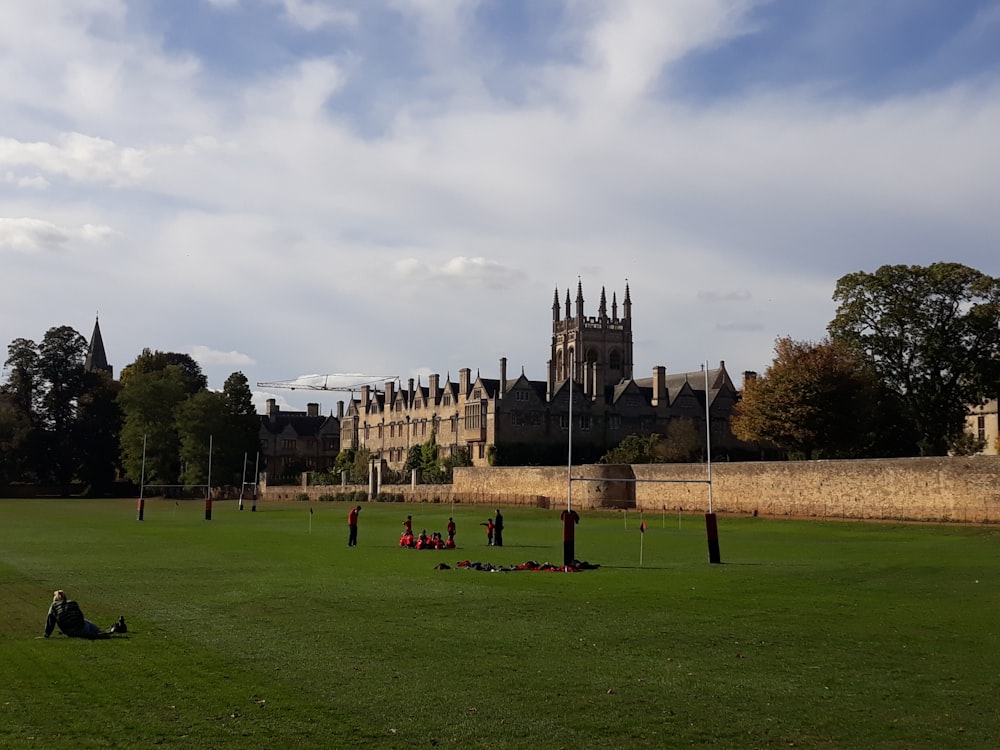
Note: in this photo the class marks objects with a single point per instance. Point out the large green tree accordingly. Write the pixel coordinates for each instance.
(815, 400)
(153, 387)
(149, 401)
(227, 422)
(20, 444)
(932, 335)
(99, 432)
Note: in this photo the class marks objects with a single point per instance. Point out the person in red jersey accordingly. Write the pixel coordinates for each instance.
(352, 525)
(489, 531)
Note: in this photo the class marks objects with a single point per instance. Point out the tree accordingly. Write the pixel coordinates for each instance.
(60, 375)
(244, 423)
(815, 400)
(202, 422)
(149, 401)
(15, 431)
(227, 422)
(22, 379)
(100, 425)
(355, 462)
(634, 449)
(20, 449)
(66, 419)
(684, 441)
(191, 375)
(932, 335)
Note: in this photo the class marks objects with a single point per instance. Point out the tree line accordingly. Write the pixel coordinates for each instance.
(61, 424)
(909, 351)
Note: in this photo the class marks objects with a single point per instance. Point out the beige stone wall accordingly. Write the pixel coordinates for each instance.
(919, 489)
(922, 489)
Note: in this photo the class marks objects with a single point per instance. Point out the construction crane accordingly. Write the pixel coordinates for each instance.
(308, 382)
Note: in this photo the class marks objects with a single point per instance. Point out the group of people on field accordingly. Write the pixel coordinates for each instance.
(423, 541)
(410, 540)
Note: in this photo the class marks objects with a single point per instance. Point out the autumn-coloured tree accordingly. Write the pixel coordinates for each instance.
(815, 400)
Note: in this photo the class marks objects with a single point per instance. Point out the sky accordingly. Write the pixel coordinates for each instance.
(399, 187)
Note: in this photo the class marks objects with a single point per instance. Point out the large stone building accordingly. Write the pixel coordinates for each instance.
(590, 389)
(295, 441)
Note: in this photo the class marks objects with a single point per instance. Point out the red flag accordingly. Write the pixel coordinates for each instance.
(642, 527)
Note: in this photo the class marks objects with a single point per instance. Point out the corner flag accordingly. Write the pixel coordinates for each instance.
(642, 527)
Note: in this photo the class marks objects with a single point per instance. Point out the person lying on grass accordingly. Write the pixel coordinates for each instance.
(67, 614)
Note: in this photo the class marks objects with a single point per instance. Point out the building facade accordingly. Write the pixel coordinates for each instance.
(589, 397)
(295, 441)
(983, 422)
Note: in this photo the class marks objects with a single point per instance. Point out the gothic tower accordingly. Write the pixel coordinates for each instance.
(596, 350)
(97, 360)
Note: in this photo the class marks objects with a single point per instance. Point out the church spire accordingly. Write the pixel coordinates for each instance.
(97, 360)
(602, 309)
(555, 306)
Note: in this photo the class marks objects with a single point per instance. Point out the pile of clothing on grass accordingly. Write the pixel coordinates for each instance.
(576, 567)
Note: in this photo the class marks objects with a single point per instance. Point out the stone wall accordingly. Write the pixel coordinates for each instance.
(920, 489)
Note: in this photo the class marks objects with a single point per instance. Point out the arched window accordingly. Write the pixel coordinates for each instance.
(615, 360)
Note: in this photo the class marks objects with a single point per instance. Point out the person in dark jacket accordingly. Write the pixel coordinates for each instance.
(498, 529)
(67, 615)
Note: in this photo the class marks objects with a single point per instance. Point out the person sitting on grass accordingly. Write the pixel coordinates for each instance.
(67, 614)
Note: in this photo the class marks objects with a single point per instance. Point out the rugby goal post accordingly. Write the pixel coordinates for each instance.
(711, 522)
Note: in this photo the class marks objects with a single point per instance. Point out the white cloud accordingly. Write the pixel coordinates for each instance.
(460, 270)
(204, 355)
(29, 234)
(80, 157)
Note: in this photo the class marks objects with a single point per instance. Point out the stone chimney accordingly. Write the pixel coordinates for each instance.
(340, 410)
(749, 375)
(503, 377)
(409, 387)
(390, 393)
(433, 388)
(463, 381)
(312, 410)
(659, 386)
(366, 397)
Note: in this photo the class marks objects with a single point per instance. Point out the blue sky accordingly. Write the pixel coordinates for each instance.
(289, 187)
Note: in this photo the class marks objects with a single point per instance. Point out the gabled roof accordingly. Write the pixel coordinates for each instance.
(301, 424)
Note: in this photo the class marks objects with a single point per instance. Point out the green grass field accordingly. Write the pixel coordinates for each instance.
(253, 631)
